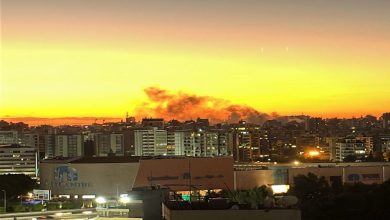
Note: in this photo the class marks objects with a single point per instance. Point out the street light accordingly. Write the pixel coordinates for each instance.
(5, 200)
(100, 200)
(124, 199)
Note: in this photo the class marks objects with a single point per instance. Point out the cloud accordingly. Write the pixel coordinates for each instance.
(183, 106)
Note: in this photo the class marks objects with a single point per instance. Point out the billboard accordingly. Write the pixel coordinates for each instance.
(41, 194)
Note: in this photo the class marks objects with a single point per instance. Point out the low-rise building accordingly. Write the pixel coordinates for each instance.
(15, 159)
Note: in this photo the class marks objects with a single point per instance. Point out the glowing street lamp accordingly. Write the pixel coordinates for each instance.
(124, 199)
(100, 200)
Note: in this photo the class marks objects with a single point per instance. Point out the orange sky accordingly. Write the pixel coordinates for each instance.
(95, 58)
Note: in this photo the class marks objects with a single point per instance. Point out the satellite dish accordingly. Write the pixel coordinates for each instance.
(288, 201)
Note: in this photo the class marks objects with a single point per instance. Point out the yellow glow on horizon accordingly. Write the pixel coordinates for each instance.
(72, 80)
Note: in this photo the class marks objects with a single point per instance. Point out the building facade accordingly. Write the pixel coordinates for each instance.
(15, 159)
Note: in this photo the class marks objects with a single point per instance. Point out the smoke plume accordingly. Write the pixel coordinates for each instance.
(183, 106)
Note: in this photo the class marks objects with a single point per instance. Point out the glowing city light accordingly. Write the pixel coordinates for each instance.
(313, 153)
(100, 200)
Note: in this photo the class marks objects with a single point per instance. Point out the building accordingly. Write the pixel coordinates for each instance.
(49, 142)
(201, 143)
(89, 148)
(36, 141)
(68, 145)
(350, 148)
(15, 159)
(252, 175)
(175, 143)
(153, 123)
(108, 143)
(386, 120)
(150, 142)
(185, 211)
(329, 147)
(9, 137)
(117, 144)
(110, 176)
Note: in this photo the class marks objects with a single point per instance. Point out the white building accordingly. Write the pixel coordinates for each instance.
(350, 147)
(68, 145)
(117, 145)
(175, 143)
(150, 142)
(201, 144)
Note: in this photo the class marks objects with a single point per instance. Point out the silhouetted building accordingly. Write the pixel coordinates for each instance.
(153, 123)
(89, 148)
(386, 120)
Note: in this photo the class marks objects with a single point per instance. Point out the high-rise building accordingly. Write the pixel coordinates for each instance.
(49, 142)
(68, 145)
(350, 147)
(36, 141)
(116, 143)
(9, 137)
(150, 142)
(108, 143)
(368, 144)
(89, 148)
(15, 159)
(224, 141)
(386, 120)
(175, 143)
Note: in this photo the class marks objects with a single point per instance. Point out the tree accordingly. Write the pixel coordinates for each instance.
(310, 186)
(254, 198)
(313, 193)
(16, 185)
(349, 201)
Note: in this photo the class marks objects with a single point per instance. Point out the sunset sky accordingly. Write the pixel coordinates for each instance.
(66, 58)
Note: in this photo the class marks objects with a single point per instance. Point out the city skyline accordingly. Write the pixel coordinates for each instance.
(93, 59)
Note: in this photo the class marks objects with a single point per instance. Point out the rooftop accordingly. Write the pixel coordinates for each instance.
(114, 159)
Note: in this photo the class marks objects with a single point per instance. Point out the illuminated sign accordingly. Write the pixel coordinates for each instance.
(41, 194)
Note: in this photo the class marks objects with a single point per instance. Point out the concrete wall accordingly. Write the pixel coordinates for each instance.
(104, 178)
(206, 173)
(273, 214)
(327, 172)
(364, 174)
(252, 178)
(95, 179)
(367, 175)
(349, 174)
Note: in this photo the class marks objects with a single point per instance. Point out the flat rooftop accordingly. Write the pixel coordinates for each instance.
(114, 159)
(249, 166)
